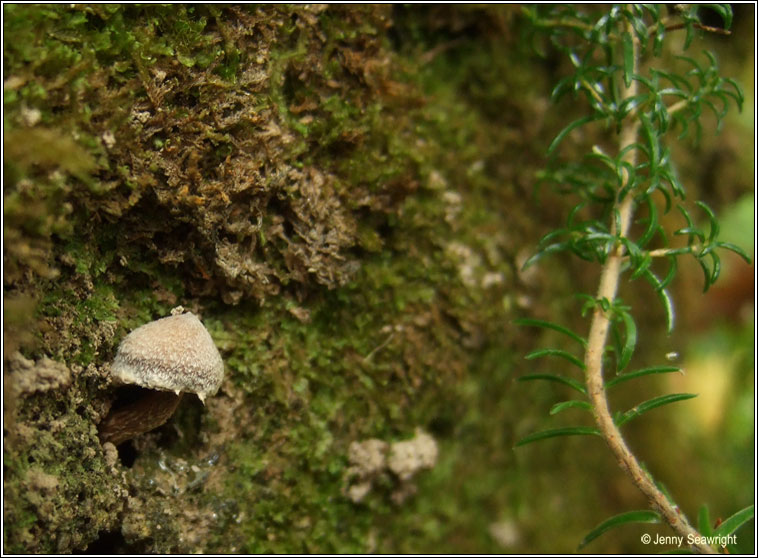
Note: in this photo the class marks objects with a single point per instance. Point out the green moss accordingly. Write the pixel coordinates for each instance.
(51, 462)
(303, 166)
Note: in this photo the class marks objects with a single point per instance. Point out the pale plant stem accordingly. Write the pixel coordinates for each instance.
(598, 335)
(662, 252)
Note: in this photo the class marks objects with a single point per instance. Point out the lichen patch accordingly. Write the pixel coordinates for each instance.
(45, 374)
(373, 458)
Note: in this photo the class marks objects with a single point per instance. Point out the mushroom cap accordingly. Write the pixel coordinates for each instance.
(171, 354)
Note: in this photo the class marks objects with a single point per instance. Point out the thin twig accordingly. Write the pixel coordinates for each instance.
(663, 252)
(709, 28)
(379, 347)
(609, 280)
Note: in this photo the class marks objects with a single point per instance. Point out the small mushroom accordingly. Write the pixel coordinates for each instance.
(166, 358)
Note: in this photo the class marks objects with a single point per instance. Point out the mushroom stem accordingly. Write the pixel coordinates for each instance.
(149, 411)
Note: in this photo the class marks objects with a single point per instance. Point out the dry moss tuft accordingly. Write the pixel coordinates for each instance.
(206, 136)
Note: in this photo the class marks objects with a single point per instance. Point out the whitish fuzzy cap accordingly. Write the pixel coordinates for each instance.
(171, 354)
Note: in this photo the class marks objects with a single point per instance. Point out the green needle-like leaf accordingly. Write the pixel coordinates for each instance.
(558, 353)
(652, 222)
(639, 516)
(724, 10)
(734, 522)
(736, 249)
(628, 43)
(738, 95)
(567, 130)
(572, 383)
(711, 219)
(653, 143)
(555, 432)
(553, 326)
(629, 343)
(571, 404)
(704, 521)
(557, 247)
(650, 404)
(639, 373)
(665, 298)
(671, 272)
(642, 266)
(706, 274)
(715, 267)
(690, 228)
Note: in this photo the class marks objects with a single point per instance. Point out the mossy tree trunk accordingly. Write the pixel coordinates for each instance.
(344, 194)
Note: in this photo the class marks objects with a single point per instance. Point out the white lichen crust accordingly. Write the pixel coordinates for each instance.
(26, 376)
(408, 457)
(171, 354)
(367, 458)
(371, 459)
